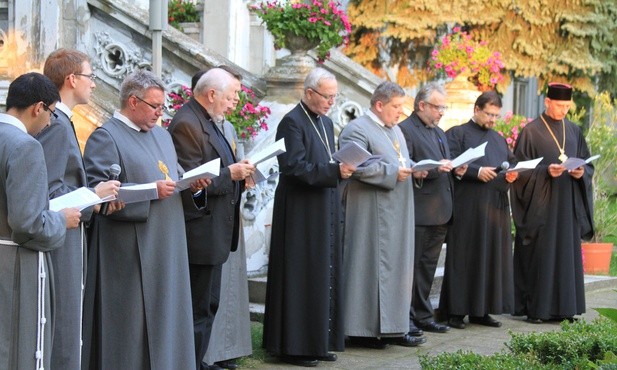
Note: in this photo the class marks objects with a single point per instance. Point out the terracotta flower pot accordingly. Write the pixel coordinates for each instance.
(597, 258)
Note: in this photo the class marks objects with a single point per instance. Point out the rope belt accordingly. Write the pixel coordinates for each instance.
(41, 319)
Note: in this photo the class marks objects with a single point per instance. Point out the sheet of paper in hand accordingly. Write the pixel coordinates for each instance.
(425, 165)
(469, 155)
(526, 165)
(208, 170)
(574, 163)
(81, 198)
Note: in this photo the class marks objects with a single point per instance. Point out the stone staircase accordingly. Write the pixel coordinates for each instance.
(257, 287)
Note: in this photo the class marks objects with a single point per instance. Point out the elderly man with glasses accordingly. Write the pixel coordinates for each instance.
(478, 273)
(433, 200)
(138, 299)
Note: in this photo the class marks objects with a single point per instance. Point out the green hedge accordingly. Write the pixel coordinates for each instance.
(579, 345)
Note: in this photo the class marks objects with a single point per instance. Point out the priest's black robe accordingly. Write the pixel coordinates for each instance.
(551, 216)
(478, 269)
(303, 297)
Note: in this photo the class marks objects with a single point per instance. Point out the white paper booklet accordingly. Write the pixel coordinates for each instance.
(469, 155)
(526, 165)
(273, 150)
(207, 170)
(81, 198)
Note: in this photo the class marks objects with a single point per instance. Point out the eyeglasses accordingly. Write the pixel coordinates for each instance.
(491, 115)
(327, 97)
(440, 108)
(158, 108)
(91, 76)
(51, 111)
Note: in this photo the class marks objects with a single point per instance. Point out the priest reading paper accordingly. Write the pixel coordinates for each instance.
(552, 209)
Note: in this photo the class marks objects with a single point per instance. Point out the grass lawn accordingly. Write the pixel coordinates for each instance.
(259, 354)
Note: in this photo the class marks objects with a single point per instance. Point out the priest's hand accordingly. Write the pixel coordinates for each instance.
(403, 173)
(555, 170)
(241, 170)
(71, 215)
(113, 206)
(460, 171)
(446, 166)
(165, 188)
(511, 176)
(200, 184)
(346, 170)
(577, 173)
(486, 174)
(107, 188)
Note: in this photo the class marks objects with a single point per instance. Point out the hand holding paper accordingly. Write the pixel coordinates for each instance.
(526, 165)
(208, 170)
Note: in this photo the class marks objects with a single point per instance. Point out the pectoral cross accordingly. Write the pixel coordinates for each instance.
(164, 170)
(397, 147)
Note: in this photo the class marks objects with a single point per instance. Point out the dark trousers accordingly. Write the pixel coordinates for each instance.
(205, 295)
(428, 243)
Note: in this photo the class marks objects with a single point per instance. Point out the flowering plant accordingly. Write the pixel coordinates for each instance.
(457, 53)
(179, 11)
(247, 119)
(510, 127)
(323, 23)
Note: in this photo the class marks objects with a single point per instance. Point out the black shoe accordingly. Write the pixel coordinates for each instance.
(415, 332)
(534, 320)
(367, 342)
(433, 327)
(205, 366)
(227, 364)
(299, 360)
(485, 320)
(456, 322)
(330, 357)
(405, 341)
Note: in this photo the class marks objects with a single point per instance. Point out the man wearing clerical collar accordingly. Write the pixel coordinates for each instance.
(552, 213)
(303, 318)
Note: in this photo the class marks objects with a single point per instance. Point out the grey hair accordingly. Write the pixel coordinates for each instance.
(426, 91)
(215, 78)
(137, 83)
(314, 78)
(385, 92)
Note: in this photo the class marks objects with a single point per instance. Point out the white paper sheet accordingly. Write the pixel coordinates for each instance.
(273, 150)
(353, 154)
(207, 170)
(525, 165)
(573, 163)
(425, 165)
(469, 155)
(81, 198)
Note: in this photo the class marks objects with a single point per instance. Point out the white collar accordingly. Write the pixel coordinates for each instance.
(64, 109)
(374, 117)
(126, 121)
(13, 121)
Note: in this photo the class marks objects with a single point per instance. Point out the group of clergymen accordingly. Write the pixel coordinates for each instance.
(353, 249)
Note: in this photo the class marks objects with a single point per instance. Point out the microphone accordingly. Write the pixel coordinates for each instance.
(114, 172)
(504, 167)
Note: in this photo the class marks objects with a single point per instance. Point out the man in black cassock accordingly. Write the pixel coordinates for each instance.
(552, 210)
(303, 317)
(478, 271)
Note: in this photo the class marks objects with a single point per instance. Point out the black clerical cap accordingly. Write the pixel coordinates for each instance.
(559, 91)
